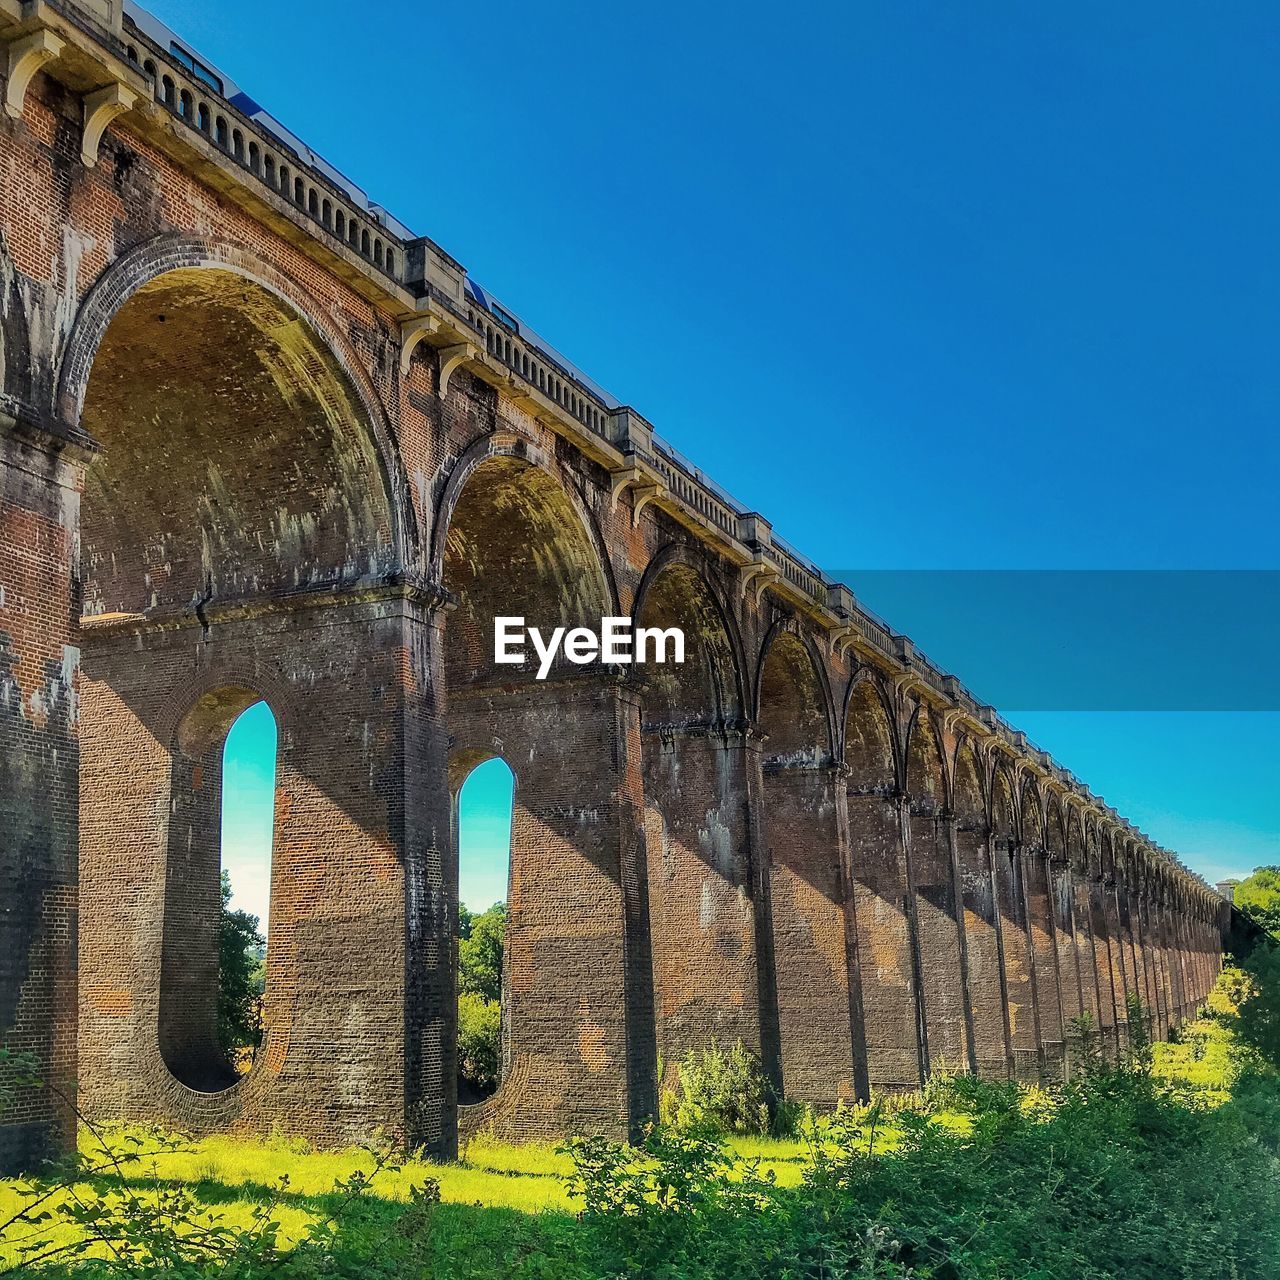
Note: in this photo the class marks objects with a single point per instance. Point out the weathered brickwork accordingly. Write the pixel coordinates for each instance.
(242, 459)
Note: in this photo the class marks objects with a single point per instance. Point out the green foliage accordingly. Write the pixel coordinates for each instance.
(1257, 1022)
(1259, 898)
(18, 1073)
(479, 1042)
(480, 942)
(241, 979)
(719, 1091)
(1137, 1171)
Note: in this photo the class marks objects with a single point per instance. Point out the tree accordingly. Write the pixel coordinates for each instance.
(480, 942)
(241, 979)
(480, 952)
(1259, 898)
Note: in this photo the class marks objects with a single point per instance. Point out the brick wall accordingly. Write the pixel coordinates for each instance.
(753, 846)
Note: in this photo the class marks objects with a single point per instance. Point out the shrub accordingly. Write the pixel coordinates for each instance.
(479, 1042)
(1257, 1020)
(719, 1091)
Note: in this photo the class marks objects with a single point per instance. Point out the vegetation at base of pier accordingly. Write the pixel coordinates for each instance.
(1166, 1166)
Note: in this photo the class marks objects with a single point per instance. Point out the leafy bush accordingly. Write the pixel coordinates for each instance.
(479, 1044)
(1259, 898)
(1257, 1021)
(719, 1091)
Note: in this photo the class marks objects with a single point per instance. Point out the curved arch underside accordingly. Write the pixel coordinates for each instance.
(236, 459)
(515, 547)
(792, 705)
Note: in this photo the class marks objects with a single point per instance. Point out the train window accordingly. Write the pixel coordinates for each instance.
(505, 317)
(196, 67)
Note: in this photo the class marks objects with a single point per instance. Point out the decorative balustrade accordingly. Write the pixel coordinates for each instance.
(197, 104)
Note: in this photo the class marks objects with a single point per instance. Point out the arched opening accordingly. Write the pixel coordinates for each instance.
(1024, 1040)
(937, 915)
(485, 804)
(246, 840)
(1040, 928)
(703, 691)
(981, 928)
(239, 481)
(235, 456)
(881, 892)
(1062, 899)
(516, 547)
(806, 877)
(516, 544)
(221, 805)
(1103, 930)
(1119, 939)
(702, 908)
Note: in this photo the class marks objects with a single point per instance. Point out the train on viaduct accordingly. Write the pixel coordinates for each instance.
(258, 441)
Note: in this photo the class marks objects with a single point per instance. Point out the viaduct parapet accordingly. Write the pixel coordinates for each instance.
(257, 441)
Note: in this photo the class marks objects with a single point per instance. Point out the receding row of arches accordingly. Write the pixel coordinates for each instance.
(721, 849)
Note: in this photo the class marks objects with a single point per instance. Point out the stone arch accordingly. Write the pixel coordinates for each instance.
(1006, 858)
(938, 915)
(1038, 895)
(131, 273)
(708, 688)
(188, 980)
(1082, 901)
(870, 738)
(498, 445)
(792, 702)
(1102, 921)
(708, 887)
(248, 490)
(510, 540)
(1062, 900)
(970, 827)
(806, 874)
(882, 890)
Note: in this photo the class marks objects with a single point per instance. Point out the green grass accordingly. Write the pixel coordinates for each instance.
(502, 1205)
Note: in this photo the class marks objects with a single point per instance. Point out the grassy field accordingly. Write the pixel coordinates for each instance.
(499, 1204)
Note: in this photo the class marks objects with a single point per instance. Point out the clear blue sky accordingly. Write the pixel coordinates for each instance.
(934, 286)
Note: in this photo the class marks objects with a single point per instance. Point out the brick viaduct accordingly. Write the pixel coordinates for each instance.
(255, 444)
